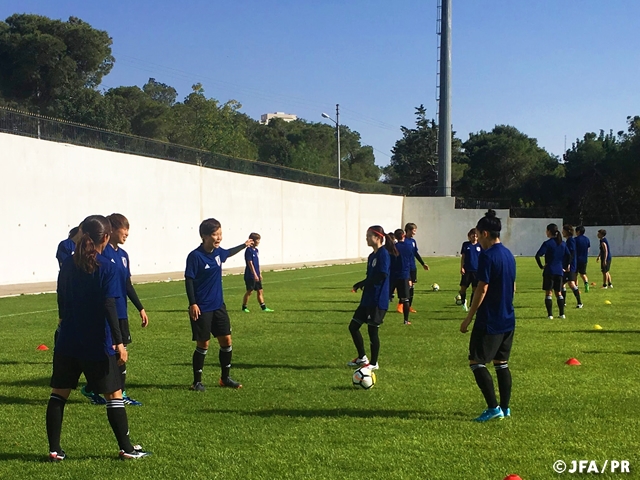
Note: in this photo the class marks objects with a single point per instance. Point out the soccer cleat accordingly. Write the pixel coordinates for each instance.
(550, 317)
(579, 305)
(372, 366)
(586, 288)
(490, 414)
(465, 307)
(507, 412)
(603, 287)
(358, 362)
(137, 453)
(412, 310)
(267, 309)
(229, 382)
(610, 285)
(407, 322)
(94, 398)
(57, 456)
(130, 401)
(197, 387)
(562, 316)
(246, 310)
(400, 308)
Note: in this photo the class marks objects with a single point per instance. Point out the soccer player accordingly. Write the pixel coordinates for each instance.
(410, 230)
(492, 334)
(68, 246)
(469, 253)
(90, 341)
(375, 297)
(252, 275)
(118, 256)
(400, 276)
(571, 274)
(604, 257)
(556, 261)
(582, 252)
(208, 313)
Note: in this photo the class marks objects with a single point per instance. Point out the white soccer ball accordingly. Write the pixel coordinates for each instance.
(435, 287)
(458, 299)
(364, 377)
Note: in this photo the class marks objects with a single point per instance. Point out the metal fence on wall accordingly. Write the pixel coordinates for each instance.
(44, 128)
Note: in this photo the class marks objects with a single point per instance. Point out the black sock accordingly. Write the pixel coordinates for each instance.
(198, 364)
(55, 335)
(504, 384)
(358, 341)
(576, 292)
(225, 361)
(263, 306)
(405, 310)
(561, 304)
(374, 340)
(564, 295)
(463, 296)
(411, 295)
(244, 306)
(548, 302)
(55, 413)
(123, 376)
(485, 382)
(117, 416)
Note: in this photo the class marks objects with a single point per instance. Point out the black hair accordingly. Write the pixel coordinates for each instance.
(580, 229)
(118, 221)
(553, 229)
(94, 228)
(73, 232)
(209, 227)
(399, 234)
(490, 223)
(569, 229)
(410, 226)
(389, 244)
(473, 231)
(254, 236)
(602, 232)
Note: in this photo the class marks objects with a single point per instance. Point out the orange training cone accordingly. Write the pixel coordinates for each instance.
(573, 361)
(42, 347)
(513, 476)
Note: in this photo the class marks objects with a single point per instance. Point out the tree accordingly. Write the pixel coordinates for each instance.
(48, 63)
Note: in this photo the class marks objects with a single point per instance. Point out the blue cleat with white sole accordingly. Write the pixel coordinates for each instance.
(490, 414)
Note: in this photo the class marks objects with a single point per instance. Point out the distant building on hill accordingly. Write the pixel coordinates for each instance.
(287, 117)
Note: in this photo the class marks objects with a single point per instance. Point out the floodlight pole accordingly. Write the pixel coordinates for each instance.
(444, 127)
(338, 140)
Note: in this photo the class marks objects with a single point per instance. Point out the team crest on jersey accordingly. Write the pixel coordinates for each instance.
(218, 260)
(124, 262)
(478, 249)
(374, 262)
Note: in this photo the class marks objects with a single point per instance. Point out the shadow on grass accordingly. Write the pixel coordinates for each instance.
(346, 412)
(29, 382)
(40, 458)
(6, 400)
(323, 311)
(600, 332)
(599, 352)
(15, 362)
(175, 310)
(255, 366)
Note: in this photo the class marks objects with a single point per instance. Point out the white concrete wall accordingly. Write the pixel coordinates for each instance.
(46, 188)
(624, 240)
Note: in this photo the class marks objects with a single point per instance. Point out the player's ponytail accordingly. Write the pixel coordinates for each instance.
(399, 234)
(490, 223)
(94, 228)
(389, 244)
(552, 228)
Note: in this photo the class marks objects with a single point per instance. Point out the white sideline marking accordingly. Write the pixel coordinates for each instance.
(183, 294)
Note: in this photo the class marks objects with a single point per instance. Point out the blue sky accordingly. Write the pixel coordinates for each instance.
(549, 67)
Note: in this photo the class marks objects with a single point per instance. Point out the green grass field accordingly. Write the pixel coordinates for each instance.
(298, 416)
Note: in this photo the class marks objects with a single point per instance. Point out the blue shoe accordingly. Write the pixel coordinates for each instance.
(94, 398)
(490, 414)
(130, 401)
(507, 413)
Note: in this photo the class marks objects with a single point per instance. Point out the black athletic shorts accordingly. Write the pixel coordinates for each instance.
(604, 267)
(370, 315)
(469, 278)
(413, 274)
(552, 282)
(582, 268)
(124, 330)
(570, 277)
(484, 348)
(252, 285)
(103, 375)
(401, 285)
(214, 323)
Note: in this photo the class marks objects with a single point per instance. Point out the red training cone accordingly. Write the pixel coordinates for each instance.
(573, 361)
(42, 347)
(513, 476)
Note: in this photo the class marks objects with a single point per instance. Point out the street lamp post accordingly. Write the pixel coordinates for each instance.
(337, 122)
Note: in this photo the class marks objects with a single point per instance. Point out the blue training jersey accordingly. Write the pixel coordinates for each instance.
(66, 248)
(84, 330)
(206, 271)
(556, 257)
(414, 250)
(120, 259)
(571, 246)
(401, 265)
(497, 268)
(604, 241)
(377, 295)
(582, 248)
(251, 255)
(471, 252)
